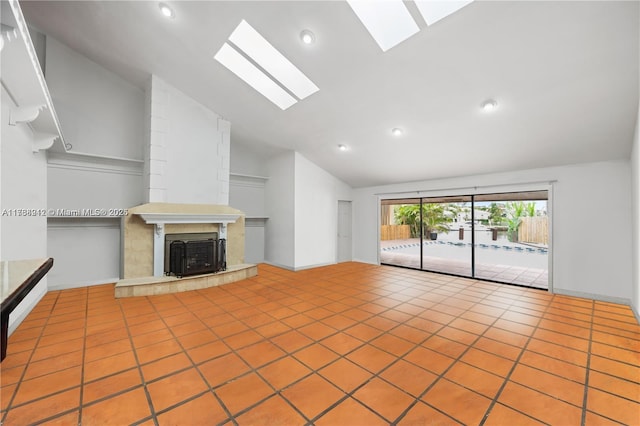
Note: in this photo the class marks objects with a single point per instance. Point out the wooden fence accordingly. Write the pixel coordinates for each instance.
(395, 232)
(534, 230)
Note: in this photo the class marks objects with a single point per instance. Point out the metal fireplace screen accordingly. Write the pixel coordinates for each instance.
(195, 254)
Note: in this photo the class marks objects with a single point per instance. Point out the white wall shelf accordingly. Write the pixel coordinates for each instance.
(23, 79)
(241, 175)
(86, 161)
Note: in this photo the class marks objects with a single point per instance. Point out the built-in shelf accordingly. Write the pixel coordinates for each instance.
(255, 221)
(241, 175)
(94, 162)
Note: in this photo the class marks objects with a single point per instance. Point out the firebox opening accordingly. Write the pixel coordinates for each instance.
(194, 253)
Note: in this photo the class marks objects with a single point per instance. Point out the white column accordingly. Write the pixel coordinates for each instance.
(223, 166)
(157, 105)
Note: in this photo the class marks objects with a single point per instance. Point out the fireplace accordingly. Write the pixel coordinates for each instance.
(194, 253)
(210, 237)
(145, 251)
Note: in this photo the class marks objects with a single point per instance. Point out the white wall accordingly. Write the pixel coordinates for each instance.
(302, 207)
(245, 161)
(247, 193)
(99, 112)
(316, 213)
(247, 186)
(24, 186)
(635, 198)
(101, 115)
(197, 153)
(591, 222)
(87, 252)
(280, 205)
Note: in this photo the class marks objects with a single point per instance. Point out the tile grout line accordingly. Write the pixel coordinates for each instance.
(33, 350)
(139, 367)
(585, 398)
(456, 360)
(84, 354)
(516, 363)
(286, 292)
(193, 364)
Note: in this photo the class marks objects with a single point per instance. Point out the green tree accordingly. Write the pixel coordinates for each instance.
(495, 214)
(434, 218)
(515, 210)
(409, 215)
(531, 209)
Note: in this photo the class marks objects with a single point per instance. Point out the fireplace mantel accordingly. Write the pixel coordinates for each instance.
(164, 218)
(161, 219)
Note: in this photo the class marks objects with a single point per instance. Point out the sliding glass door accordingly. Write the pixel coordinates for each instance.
(512, 239)
(400, 230)
(500, 237)
(447, 235)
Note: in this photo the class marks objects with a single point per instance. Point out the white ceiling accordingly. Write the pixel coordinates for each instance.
(565, 75)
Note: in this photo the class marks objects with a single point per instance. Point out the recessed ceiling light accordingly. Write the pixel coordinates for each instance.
(166, 10)
(388, 21)
(307, 37)
(396, 131)
(489, 105)
(342, 147)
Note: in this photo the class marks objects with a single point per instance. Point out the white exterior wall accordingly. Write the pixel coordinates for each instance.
(592, 222)
(23, 186)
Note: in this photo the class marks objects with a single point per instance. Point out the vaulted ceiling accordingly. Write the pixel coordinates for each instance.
(564, 73)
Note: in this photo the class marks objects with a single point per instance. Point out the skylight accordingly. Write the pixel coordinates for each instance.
(281, 72)
(388, 21)
(433, 11)
(255, 78)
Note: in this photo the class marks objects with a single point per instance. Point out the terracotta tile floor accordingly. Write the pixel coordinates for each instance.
(349, 344)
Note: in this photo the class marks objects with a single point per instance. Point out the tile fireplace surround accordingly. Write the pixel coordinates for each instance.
(144, 229)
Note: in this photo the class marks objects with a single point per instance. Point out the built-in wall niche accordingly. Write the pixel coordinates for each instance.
(247, 193)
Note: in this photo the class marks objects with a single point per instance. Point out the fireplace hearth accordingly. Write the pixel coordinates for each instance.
(194, 254)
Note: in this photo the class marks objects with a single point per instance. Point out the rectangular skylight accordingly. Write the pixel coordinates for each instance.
(253, 76)
(247, 39)
(388, 21)
(433, 11)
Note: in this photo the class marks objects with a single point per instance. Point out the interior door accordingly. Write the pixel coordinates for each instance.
(344, 231)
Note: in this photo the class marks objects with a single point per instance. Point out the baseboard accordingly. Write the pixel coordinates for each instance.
(635, 312)
(368, 262)
(15, 321)
(301, 268)
(277, 265)
(599, 297)
(83, 284)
